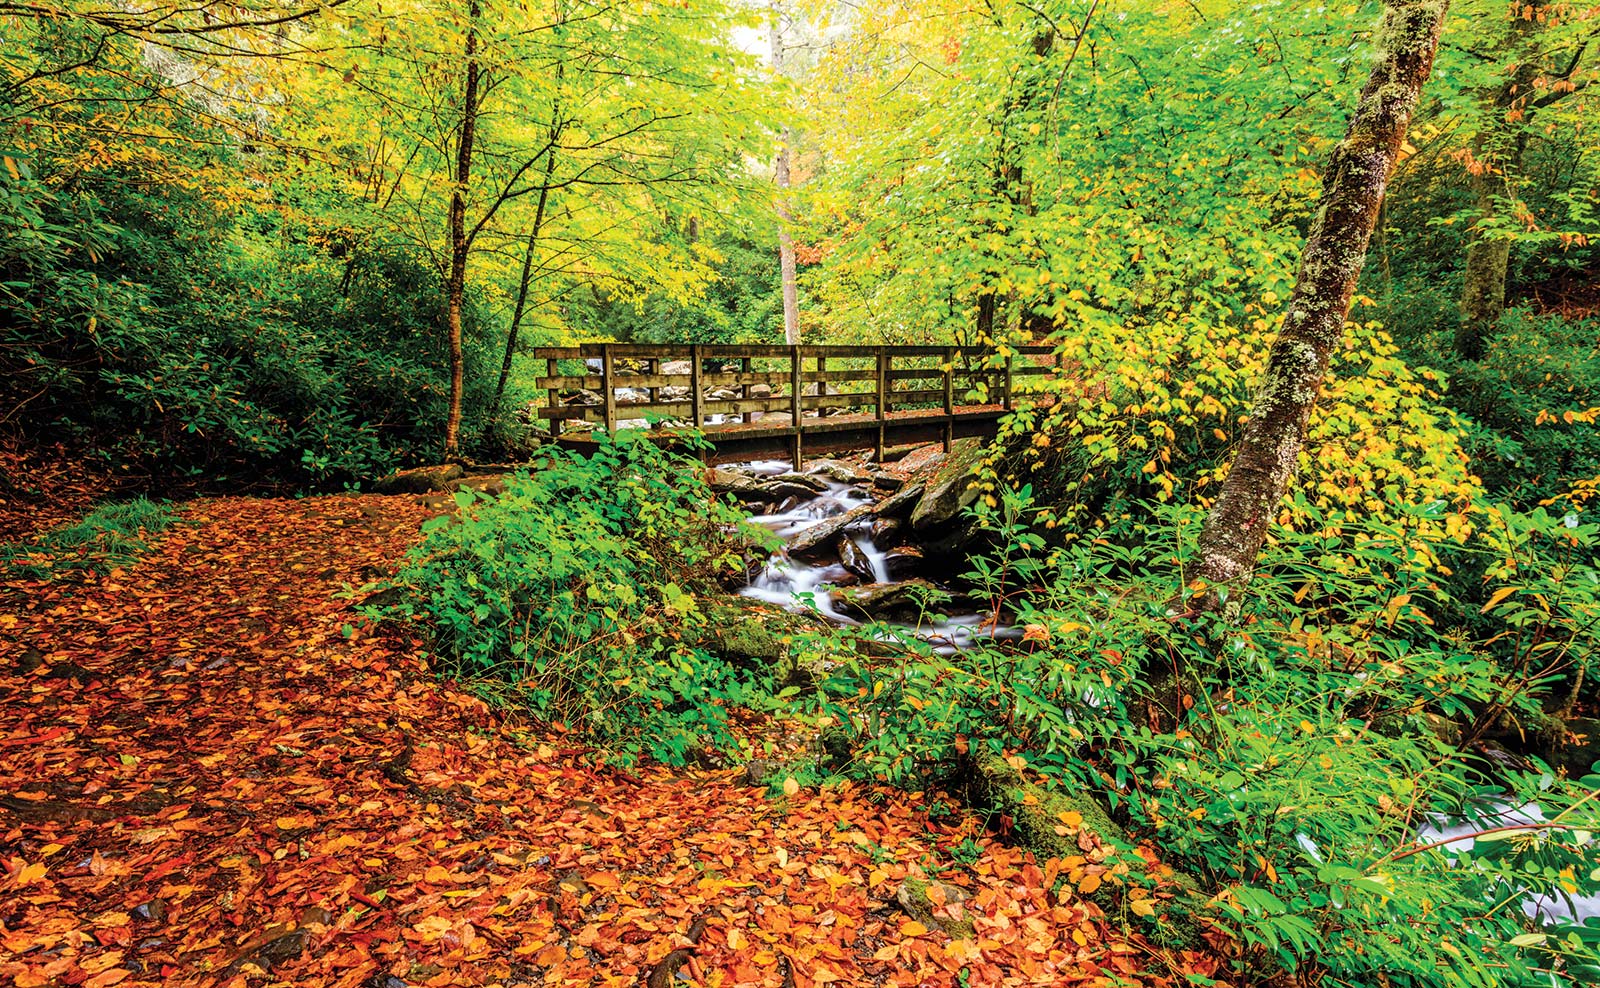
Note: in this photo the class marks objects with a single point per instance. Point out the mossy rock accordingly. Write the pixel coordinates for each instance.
(754, 634)
(1039, 822)
(915, 898)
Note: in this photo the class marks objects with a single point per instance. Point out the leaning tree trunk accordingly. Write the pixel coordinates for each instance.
(460, 244)
(1335, 251)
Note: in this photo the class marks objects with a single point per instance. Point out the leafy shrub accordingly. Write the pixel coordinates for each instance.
(1533, 400)
(1318, 732)
(573, 595)
(112, 535)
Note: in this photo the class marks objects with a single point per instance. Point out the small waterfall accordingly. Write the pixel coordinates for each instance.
(797, 584)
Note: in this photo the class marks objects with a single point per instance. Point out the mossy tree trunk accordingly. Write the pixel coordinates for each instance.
(1496, 161)
(1335, 251)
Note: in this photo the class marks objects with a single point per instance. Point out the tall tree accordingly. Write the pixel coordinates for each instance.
(1335, 251)
(1536, 51)
(786, 263)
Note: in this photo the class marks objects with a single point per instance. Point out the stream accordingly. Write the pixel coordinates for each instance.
(799, 585)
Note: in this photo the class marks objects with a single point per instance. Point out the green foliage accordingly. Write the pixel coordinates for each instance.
(1303, 748)
(577, 588)
(1533, 400)
(114, 534)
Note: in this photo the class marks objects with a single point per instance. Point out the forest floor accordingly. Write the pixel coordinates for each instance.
(204, 779)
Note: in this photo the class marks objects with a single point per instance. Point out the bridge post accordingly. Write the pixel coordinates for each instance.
(1009, 358)
(607, 394)
(697, 415)
(882, 398)
(949, 397)
(552, 368)
(797, 454)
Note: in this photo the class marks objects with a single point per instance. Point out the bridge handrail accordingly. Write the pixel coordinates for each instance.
(942, 373)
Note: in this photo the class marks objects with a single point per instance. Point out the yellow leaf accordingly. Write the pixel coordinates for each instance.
(887, 953)
(1142, 907)
(1089, 884)
(1499, 595)
(790, 786)
(437, 873)
(913, 929)
(31, 873)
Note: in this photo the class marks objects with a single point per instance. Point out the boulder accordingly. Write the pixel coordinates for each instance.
(905, 562)
(937, 905)
(750, 633)
(582, 398)
(839, 471)
(632, 396)
(804, 480)
(887, 532)
(748, 488)
(901, 503)
(677, 367)
(903, 602)
(888, 482)
(854, 559)
(420, 480)
(817, 540)
(949, 490)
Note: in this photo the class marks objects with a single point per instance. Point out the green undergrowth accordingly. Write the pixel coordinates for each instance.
(113, 534)
(577, 597)
(1288, 754)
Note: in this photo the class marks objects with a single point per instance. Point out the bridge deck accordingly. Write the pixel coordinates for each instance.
(752, 401)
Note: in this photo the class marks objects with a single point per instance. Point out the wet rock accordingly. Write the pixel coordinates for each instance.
(887, 601)
(748, 488)
(894, 454)
(900, 504)
(677, 367)
(888, 482)
(154, 911)
(839, 471)
(674, 393)
(950, 489)
(804, 480)
(905, 562)
(819, 539)
(420, 480)
(887, 532)
(855, 559)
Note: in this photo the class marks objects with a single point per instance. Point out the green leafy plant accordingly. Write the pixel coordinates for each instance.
(576, 592)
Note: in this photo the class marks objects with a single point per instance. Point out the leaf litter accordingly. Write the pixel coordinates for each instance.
(206, 779)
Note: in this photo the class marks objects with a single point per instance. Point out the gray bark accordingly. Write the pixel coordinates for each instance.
(1335, 251)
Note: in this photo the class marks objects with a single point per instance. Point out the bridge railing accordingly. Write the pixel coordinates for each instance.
(713, 385)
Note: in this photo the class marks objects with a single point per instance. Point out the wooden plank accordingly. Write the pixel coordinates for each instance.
(570, 382)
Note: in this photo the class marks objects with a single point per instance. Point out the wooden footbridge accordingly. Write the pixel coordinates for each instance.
(785, 401)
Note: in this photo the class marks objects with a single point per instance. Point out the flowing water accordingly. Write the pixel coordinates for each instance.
(800, 585)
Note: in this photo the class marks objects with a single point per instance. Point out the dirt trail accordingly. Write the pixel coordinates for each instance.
(203, 780)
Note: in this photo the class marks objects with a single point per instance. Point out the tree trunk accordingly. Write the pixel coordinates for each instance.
(1335, 251)
(456, 281)
(1497, 157)
(523, 284)
(791, 292)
